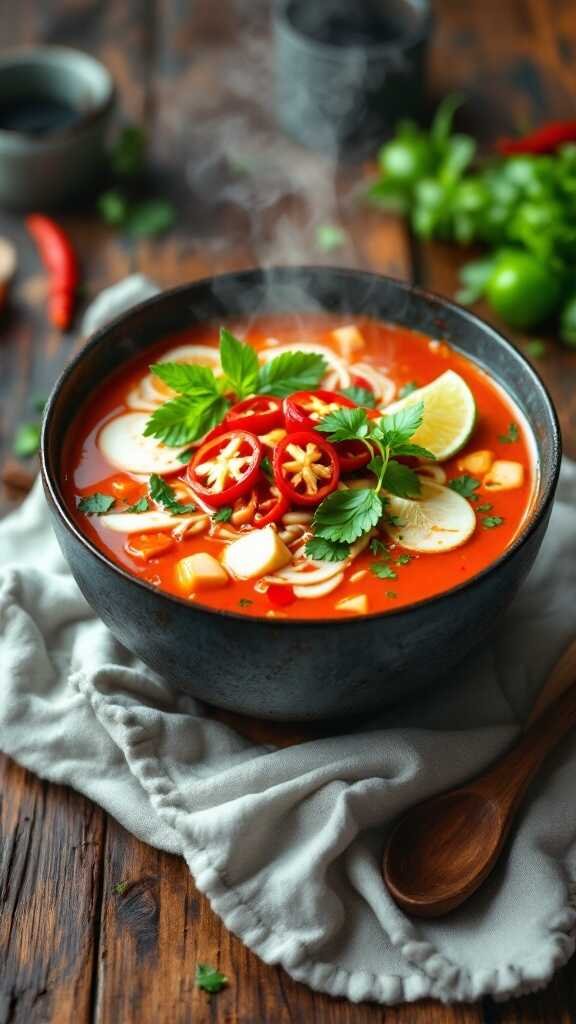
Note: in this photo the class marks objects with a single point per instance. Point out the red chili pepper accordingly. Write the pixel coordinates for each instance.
(258, 414)
(59, 258)
(306, 467)
(280, 595)
(352, 455)
(304, 409)
(225, 468)
(546, 139)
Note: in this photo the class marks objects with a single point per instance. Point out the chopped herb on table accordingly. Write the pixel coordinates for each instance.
(120, 888)
(27, 440)
(210, 979)
(511, 435)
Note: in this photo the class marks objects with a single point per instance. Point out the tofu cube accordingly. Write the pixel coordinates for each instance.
(200, 572)
(504, 476)
(349, 340)
(256, 554)
(476, 463)
(358, 605)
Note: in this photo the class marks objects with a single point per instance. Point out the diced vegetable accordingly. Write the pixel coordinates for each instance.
(476, 463)
(200, 572)
(145, 546)
(357, 604)
(504, 476)
(349, 340)
(256, 554)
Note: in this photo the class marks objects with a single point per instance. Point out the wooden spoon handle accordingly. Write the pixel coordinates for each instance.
(561, 677)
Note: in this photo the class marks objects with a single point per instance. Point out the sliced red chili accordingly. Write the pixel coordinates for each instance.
(352, 455)
(305, 467)
(225, 468)
(280, 595)
(264, 505)
(258, 414)
(304, 409)
(546, 139)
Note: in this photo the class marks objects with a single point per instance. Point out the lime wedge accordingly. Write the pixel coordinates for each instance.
(449, 414)
(439, 520)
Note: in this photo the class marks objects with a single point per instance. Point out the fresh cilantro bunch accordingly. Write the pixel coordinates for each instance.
(203, 399)
(345, 516)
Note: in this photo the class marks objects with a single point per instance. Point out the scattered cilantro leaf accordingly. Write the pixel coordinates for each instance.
(120, 888)
(486, 507)
(345, 425)
(164, 495)
(383, 571)
(490, 522)
(291, 371)
(184, 457)
(511, 435)
(27, 440)
(378, 547)
(362, 396)
(401, 480)
(223, 514)
(391, 594)
(345, 515)
(464, 485)
(245, 602)
(184, 419)
(326, 550)
(403, 559)
(535, 348)
(139, 506)
(408, 388)
(210, 979)
(330, 237)
(96, 504)
(188, 379)
(240, 364)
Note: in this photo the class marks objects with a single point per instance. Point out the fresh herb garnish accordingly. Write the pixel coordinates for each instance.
(96, 504)
(139, 506)
(330, 237)
(362, 396)
(245, 602)
(326, 550)
(27, 440)
(210, 979)
(223, 514)
(403, 559)
(510, 436)
(240, 365)
(378, 547)
(383, 571)
(184, 457)
(164, 495)
(344, 516)
(489, 522)
(486, 507)
(291, 371)
(464, 485)
(186, 418)
(408, 388)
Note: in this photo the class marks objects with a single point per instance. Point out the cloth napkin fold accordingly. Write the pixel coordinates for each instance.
(287, 844)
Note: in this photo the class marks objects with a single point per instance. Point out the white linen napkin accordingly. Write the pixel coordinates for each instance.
(287, 844)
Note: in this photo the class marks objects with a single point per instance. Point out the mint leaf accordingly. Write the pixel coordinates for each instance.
(291, 371)
(139, 506)
(209, 979)
(96, 504)
(510, 436)
(326, 550)
(185, 419)
(398, 427)
(223, 514)
(464, 485)
(240, 364)
(164, 495)
(345, 425)
(362, 396)
(401, 480)
(383, 571)
(188, 379)
(345, 515)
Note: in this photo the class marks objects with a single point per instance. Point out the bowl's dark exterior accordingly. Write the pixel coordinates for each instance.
(290, 670)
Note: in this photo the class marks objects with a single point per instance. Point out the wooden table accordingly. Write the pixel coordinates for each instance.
(71, 949)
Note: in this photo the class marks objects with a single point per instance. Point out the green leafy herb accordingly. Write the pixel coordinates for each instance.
(209, 979)
(397, 428)
(330, 237)
(240, 364)
(464, 485)
(185, 419)
(139, 506)
(96, 504)
(188, 379)
(535, 348)
(223, 514)
(291, 371)
(245, 602)
(150, 217)
(27, 440)
(383, 571)
(473, 280)
(345, 425)
(128, 154)
(401, 480)
(408, 388)
(378, 547)
(403, 559)
(113, 207)
(120, 888)
(486, 507)
(510, 436)
(326, 550)
(362, 396)
(345, 515)
(490, 522)
(266, 467)
(164, 495)
(185, 457)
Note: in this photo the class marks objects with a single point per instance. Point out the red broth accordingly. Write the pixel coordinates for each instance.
(406, 356)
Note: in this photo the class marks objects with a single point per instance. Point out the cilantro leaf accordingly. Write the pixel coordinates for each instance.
(486, 507)
(378, 547)
(383, 571)
(210, 979)
(96, 504)
(184, 457)
(362, 396)
(489, 522)
(403, 559)
(223, 514)
(415, 450)
(188, 379)
(408, 388)
(398, 427)
(139, 506)
(184, 419)
(510, 436)
(240, 364)
(164, 495)
(464, 485)
(326, 550)
(291, 371)
(345, 425)
(401, 480)
(345, 515)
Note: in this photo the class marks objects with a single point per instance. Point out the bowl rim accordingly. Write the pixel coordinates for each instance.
(531, 524)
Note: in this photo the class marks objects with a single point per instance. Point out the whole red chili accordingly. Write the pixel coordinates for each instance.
(59, 258)
(546, 139)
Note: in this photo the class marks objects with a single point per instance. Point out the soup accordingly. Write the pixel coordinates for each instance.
(300, 468)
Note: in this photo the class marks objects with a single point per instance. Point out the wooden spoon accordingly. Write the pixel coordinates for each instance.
(442, 850)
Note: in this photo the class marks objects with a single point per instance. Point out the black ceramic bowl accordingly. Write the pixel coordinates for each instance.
(288, 669)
